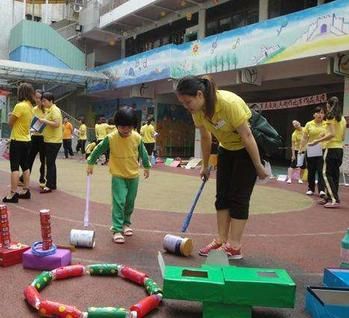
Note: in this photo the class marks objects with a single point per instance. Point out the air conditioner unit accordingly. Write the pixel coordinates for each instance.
(143, 90)
(341, 65)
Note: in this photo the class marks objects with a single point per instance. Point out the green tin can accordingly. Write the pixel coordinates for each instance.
(107, 312)
(103, 269)
(42, 280)
(152, 287)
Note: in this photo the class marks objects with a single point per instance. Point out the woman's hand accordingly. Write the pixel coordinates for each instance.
(261, 172)
(89, 170)
(146, 173)
(204, 173)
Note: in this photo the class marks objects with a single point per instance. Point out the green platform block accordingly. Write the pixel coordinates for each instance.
(168, 161)
(192, 283)
(263, 287)
(215, 310)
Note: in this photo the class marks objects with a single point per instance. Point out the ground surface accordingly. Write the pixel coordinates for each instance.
(286, 230)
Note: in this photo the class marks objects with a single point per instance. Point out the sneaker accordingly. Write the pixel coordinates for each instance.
(300, 181)
(309, 192)
(12, 198)
(332, 205)
(231, 252)
(24, 195)
(212, 246)
(322, 194)
(322, 201)
(289, 181)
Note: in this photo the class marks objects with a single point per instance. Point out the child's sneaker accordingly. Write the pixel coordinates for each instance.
(322, 194)
(289, 181)
(300, 181)
(231, 252)
(309, 192)
(212, 246)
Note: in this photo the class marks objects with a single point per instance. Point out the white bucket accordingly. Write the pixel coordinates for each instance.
(82, 238)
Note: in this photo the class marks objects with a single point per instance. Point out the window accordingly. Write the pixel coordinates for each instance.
(282, 7)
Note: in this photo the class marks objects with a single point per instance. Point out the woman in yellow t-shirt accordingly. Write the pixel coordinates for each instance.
(53, 136)
(296, 140)
(226, 116)
(19, 121)
(82, 137)
(333, 153)
(312, 130)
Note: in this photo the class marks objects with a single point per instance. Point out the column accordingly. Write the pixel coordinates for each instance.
(24, 8)
(263, 10)
(123, 47)
(320, 2)
(46, 12)
(346, 106)
(201, 24)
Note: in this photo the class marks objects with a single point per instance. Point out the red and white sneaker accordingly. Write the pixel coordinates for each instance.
(332, 205)
(212, 246)
(231, 252)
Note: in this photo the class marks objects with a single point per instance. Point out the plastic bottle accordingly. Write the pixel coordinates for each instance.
(345, 250)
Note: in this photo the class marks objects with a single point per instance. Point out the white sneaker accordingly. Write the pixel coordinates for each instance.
(322, 194)
(309, 192)
(300, 181)
(289, 181)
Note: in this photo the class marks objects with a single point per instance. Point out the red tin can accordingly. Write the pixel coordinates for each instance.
(146, 305)
(52, 309)
(32, 296)
(133, 275)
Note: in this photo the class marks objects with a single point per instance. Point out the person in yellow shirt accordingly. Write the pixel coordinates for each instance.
(148, 134)
(67, 138)
(37, 141)
(19, 121)
(312, 130)
(53, 135)
(225, 115)
(333, 151)
(296, 140)
(82, 137)
(101, 129)
(126, 146)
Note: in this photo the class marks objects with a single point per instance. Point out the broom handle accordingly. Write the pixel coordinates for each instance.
(87, 207)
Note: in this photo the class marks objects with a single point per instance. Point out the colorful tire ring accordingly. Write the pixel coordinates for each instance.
(52, 309)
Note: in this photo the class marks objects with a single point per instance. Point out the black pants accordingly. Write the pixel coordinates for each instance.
(236, 177)
(51, 151)
(315, 165)
(332, 161)
(150, 147)
(81, 146)
(67, 147)
(37, 146)
(19, 151)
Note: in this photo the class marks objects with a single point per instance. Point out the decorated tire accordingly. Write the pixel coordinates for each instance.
(48, 308)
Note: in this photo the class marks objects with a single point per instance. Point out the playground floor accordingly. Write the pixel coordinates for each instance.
(286, 229)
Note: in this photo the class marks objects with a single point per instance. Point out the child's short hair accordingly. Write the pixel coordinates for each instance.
(126, 116)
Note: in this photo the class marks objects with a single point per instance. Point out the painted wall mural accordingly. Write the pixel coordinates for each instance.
(316, 31)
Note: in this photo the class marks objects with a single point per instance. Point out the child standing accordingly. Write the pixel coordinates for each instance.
(125, 146)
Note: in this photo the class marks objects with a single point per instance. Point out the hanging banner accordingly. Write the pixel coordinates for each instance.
(292, 103)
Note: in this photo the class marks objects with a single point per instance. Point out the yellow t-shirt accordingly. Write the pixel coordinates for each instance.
(124, 155)
(230, 113)
(147, 133)
(83, 132)
(314, 130)
(21, 128)
(67, 130)
(101, 130)
(39, 113)
(110, 129)
(296, 138)
(53, 134)
(339, 128)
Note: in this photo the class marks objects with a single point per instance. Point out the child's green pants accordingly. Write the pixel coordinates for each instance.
(124, 192)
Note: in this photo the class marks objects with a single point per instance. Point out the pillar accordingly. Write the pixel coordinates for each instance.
(263, 10)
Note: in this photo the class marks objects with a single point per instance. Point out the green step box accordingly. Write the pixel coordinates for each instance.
(230, 291)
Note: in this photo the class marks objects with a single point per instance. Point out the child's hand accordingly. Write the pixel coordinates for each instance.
(146, 173)
(89, 170)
